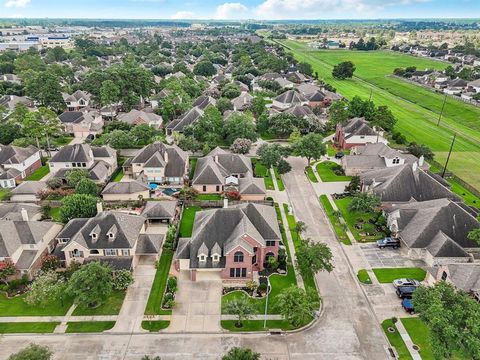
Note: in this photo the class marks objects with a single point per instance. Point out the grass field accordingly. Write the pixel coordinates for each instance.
(28, 327)
(89, 326)
(39, 174)
(261, 171)
(417, 109)
(154, 304)
(118, 176)
(188, 217)
(111, 306)
(325, 170)
(18, 307)
(387, 275)
(334, 220)
(311, 175)
(155, 325)
(257, 325)
(396, 340)
(363, 276)
(209, 197)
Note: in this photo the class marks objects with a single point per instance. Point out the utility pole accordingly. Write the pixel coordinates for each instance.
(449, 153)
(443, 107)
(371, 93)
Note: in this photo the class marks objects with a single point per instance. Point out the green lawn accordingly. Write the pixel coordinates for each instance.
(261, 171)
(470, 198)
(363, 276)
(155, 325)
(416, 108)
(110, 307)
(62, 140)
(89, 326)
(39, 173)
(278, 283)
(396, 340)
(257, 325)
(334, 220)
(280, 184)
(325, 170)
(154, 304)
(353, 217)
(118, 176)
(3, 193)
(311, 175)
(282, 232)
(28, 327)
(18, 307)
(193, 165)
(55, 214)
(188, 217)
(387, 275)
(209, 197)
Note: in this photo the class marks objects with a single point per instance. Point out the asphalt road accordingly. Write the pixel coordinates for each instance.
(347, 329)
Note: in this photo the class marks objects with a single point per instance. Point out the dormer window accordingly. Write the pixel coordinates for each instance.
(95, 233)
(202, 258)
(215, 257)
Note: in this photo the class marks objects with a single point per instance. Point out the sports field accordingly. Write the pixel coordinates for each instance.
(417, 109)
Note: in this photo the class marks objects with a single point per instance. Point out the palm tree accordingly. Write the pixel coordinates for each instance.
(240, 307)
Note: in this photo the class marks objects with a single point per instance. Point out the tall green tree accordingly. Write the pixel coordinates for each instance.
(310, 146)
(344, 70)
(364, 202)
(313, 257)
(241, 308)
(47, 287)
(238, 353)
(239, 126)
(91, 284)
(44, 87)
(295, 305)
(32, 352)
(78, 206)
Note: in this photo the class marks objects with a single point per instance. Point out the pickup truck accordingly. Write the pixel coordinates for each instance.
(405, 291)
(388, 242)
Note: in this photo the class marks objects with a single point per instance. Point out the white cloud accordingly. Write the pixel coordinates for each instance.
(228, 11)
(16, 3)
(182, 15)
(317, 9)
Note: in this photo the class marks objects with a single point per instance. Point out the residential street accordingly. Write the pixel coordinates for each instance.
(347, 329)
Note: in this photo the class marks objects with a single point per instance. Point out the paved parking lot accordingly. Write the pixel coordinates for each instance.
(378, 258)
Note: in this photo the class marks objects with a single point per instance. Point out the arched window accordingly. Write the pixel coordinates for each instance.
(238, 257)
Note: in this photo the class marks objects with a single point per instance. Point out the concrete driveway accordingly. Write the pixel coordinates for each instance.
(198, 305)
(387, 257)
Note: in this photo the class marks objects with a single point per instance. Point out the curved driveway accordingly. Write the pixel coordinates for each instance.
(346, 330)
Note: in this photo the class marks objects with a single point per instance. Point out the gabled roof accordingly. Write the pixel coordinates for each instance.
(11, 155)
(186, 119)
(153, 155)
(159, 209)
(125, 187)
(15, 234)
(357, 126)
(73, 153)
(290, 97)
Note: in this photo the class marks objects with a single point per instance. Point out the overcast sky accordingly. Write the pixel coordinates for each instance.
(241, 9)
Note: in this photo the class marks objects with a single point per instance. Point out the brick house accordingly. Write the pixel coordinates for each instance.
(355, 132)
(16, 163)
(230, 243)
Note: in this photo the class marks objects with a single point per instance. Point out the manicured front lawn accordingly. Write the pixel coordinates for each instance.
(357, 217)
(62, 140)
(311, 176)
(325, 170)
(118, 176)
(396, 340)
(334, 220)
(280, 184)
(363, 276)
(18, 307)
(55, 214)
(39, 173)
(154, 304)
(28, 327)
(209, 197)
(282, 232)
(188, 217)
(89, 326)
(257, 325)
(387, 275)
(3, 193)
(111, 306)
(261, 171)
(155, 325)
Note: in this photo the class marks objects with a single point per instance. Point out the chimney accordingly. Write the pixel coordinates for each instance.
(165, 156)
(216, 158)
(225, 203)
(421, 160)
(99, 207)
(24, 214)
(414, 166)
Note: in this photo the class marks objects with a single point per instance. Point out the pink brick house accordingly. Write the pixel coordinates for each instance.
(232, 243)
(355, 132)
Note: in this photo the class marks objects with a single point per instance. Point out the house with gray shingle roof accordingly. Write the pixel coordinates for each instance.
(125, 190)
(355, 132)
(78, 100)
(434, 231)
(17, 163)
(161, 211)
(464, 276)
(158, 163)
(288, 99)
(232, 242)
(221, 171)
(188, 118)
(137, 117)
(116, 238)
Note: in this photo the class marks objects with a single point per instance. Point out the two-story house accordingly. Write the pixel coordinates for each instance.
(233, 243)
(99, 162)
(137, 117)
(82, 123)
(78, 100)
(158, 163)
(221, 171)
(357, 131)
(16, 163)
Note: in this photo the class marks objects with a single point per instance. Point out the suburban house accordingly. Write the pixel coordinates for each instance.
(10, 102)
(455, 87)
(116, 238)
(82, 123)
(11, 78)
(434, 231)
(161, 211)
(158, 163)
(25, 242)
(242, 102)
(404, 183)
(17, 163)
(203, 101)
(18, 211)
(178, 125)
(137, 117)
(28, 191)
(221, 171)
(230, 243)
(288, 99)
(99, 162)
(376, 156)
(465, 277)
(125, 190)
(76, 101)
(355, 132)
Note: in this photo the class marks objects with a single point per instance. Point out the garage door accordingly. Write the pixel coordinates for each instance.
(208, 275)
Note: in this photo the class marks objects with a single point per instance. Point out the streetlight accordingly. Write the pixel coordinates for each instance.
(266, 304)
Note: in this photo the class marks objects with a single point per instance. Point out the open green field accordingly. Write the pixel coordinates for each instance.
(417, 109)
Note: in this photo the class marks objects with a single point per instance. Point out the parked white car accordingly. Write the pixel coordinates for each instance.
(406, 282)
